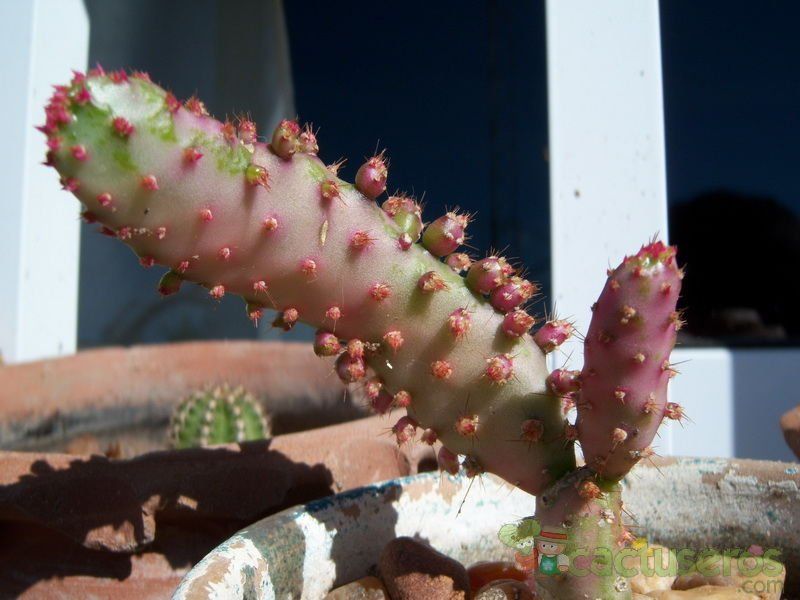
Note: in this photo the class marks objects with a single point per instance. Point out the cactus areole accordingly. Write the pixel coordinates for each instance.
(271, 223)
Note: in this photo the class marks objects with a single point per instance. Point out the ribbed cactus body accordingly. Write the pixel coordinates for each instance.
(218, 416)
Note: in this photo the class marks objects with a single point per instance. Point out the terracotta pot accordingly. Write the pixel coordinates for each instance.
(128, 393)
(78, 525)
(305, 551)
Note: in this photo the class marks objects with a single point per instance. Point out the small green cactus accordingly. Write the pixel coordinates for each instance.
(219, 415)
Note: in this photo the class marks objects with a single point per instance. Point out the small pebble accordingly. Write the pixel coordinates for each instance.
(505, 589)
(411, 570)
(366, 588)
(485, 572)
(707, 592)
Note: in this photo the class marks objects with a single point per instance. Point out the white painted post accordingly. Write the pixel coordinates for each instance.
(39, 232)
(607, 164)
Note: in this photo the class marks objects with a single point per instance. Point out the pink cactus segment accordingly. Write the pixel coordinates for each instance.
(393, 339)
(459, 322)
(623, 383)
(552, 334)
(458, 261)
(487, 274)
(382, 402)
(371, 177)
(307, 142)
(431, 282)
(402, 399)
(441, 369)
(284, 139)
(500, 368)
(517, 323)
(207, 204)
(445, 234)
(350, 368)
(404, 430)
(448, 462)
(562, 382)
(512, 293)
(326, 344)
(429, 437)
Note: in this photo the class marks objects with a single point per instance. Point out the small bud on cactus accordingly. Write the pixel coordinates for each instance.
(458, 261)
(326, 344)
(448, 462)
(402, 399)
(552, 334)
(487, 274)
(517, 323)
(431, 282)
(393, 339)
(500, 368)
(371, 177)
(307, 142)
(459, 322)
(284, 139)
(404, 430)
(218, 416)
(512, 293)
(382, 402)
(562, 382)
(407, 214)
(350, 368)
(445, 234)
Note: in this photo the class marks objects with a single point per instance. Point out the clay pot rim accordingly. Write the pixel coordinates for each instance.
(317, 524)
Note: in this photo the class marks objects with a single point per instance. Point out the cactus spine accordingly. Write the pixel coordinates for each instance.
(220, 415)
(272, 224)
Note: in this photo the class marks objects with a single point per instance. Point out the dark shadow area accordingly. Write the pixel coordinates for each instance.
(741, 254)
(97, 516)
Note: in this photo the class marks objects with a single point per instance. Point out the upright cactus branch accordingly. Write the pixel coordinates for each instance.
(274, 225)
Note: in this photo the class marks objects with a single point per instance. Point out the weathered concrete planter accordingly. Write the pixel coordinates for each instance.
(81, 524)
(305, 551)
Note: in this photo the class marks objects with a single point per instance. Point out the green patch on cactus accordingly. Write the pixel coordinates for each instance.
(218, 416)
(232, 159)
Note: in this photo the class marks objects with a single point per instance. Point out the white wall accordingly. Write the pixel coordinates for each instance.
(39, 236)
